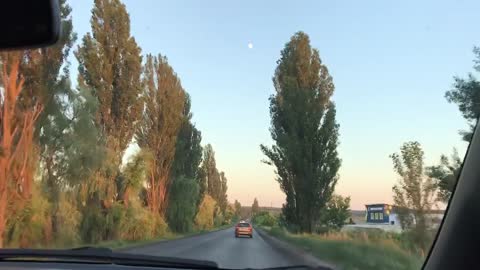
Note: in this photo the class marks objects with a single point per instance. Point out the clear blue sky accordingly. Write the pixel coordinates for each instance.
(391, 62)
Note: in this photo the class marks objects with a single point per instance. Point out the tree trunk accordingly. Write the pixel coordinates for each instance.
(152, 193)
(3, 209)
(53, 192)
(16, 170)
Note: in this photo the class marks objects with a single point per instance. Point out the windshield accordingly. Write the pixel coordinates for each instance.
(337, 130)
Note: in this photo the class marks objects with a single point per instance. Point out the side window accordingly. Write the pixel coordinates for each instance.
(372, 216)
(381, 216)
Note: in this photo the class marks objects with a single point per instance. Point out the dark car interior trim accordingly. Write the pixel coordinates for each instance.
(457, 243)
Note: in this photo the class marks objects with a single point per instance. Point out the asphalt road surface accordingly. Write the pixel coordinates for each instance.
(223, 248)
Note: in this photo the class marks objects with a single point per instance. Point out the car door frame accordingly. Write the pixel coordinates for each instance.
(458, 239)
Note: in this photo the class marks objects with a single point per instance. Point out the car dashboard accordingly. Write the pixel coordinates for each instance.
(22, 265)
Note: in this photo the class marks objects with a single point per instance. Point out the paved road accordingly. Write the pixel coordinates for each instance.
(223, 248)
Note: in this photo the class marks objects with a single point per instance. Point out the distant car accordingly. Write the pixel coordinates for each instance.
(244, 228)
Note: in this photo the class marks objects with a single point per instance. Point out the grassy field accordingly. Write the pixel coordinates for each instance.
(352, 252)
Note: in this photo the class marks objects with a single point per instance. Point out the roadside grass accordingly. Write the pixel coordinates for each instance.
(352, 251)
(123, 244)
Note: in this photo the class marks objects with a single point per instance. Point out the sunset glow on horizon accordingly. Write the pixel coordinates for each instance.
(390, 77)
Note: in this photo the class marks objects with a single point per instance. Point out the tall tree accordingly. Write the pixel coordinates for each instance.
(445, 175)
(255, 207)
(213, 182)
(466, 94)
(188, 151)
(222, 196)
(209, 171)
(238, 209)
(47, 84)
(188, 157)
(110, 65)
(161, 121)
(414, 194)
(305, 132)
(16, 141)
(182, 206)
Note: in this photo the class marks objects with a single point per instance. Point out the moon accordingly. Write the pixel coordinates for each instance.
(250, 45)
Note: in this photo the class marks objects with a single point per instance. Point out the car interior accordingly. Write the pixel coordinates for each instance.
(456, 244)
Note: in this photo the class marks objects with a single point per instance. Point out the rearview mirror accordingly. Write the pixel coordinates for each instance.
(29, 23)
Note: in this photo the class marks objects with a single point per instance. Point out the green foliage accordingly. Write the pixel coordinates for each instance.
(30, 225)
(336, 212)
(218, 218)
(305, 132)
(83, 195)
(359, 251)
(264, 219)
(414, 193)
(255, 207)
(229, 215)
(445, 175)
(188, 151)
(137, 223)
(466, 94)
(186, 164)
(160, 225)
(92, 225)
(161, 121)
(83, 151)
(47, 84)
(110, 66)
(134, 174)
(213, 182)
(238, 209)
(222, 197)
(109, 72)
(46, 73)
(204, 219)
(182, 205)
(68, 222)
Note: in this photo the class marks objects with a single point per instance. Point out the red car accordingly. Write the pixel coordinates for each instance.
(244, 228)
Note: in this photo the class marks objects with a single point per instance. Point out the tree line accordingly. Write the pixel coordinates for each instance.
(306, 136)
(420, 187)
(62, 180)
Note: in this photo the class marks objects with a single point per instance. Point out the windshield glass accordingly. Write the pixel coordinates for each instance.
(337, 130)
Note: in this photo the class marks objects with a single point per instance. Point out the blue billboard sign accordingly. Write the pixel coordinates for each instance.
(378, 213)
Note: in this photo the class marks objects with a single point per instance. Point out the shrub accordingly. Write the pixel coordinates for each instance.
(69, 223)
(30, 225)
(137, 223)
(182, 204)
(336, 213)
(160, 226)
(265, 219)
(92, 225)
(206, 211)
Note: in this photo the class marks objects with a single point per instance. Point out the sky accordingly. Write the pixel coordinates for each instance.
(391, 62)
